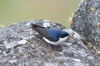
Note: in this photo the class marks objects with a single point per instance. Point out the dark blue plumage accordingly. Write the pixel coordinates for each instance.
(51, 35)
(57, 33)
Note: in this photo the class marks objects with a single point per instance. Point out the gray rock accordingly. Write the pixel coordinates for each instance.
(22, 46)
(86, 21)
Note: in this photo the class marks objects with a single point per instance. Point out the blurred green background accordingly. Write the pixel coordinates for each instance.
(12, 11)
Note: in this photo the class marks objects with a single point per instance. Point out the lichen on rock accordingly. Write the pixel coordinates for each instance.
(28, 49)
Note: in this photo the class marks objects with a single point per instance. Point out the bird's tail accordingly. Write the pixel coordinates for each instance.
(33, 25)
(38, 28)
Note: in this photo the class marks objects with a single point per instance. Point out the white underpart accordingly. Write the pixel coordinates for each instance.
(59, 42)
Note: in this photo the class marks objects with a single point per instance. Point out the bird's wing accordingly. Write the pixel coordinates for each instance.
(42, 31)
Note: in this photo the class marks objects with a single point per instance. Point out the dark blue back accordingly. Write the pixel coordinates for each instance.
(54, 33)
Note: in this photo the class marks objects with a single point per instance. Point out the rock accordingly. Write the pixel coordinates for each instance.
(86, 21)
(22, 46)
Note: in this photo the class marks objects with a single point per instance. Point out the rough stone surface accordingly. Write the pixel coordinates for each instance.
(86, 21)
(22, 46)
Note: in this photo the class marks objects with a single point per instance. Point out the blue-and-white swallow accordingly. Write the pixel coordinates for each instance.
(52, 36)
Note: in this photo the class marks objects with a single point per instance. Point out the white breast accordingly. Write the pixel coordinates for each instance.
(60, 41)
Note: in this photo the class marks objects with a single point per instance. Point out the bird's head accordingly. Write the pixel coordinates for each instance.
(63, 34)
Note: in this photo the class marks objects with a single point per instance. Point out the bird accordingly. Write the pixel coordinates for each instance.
(53, 36)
